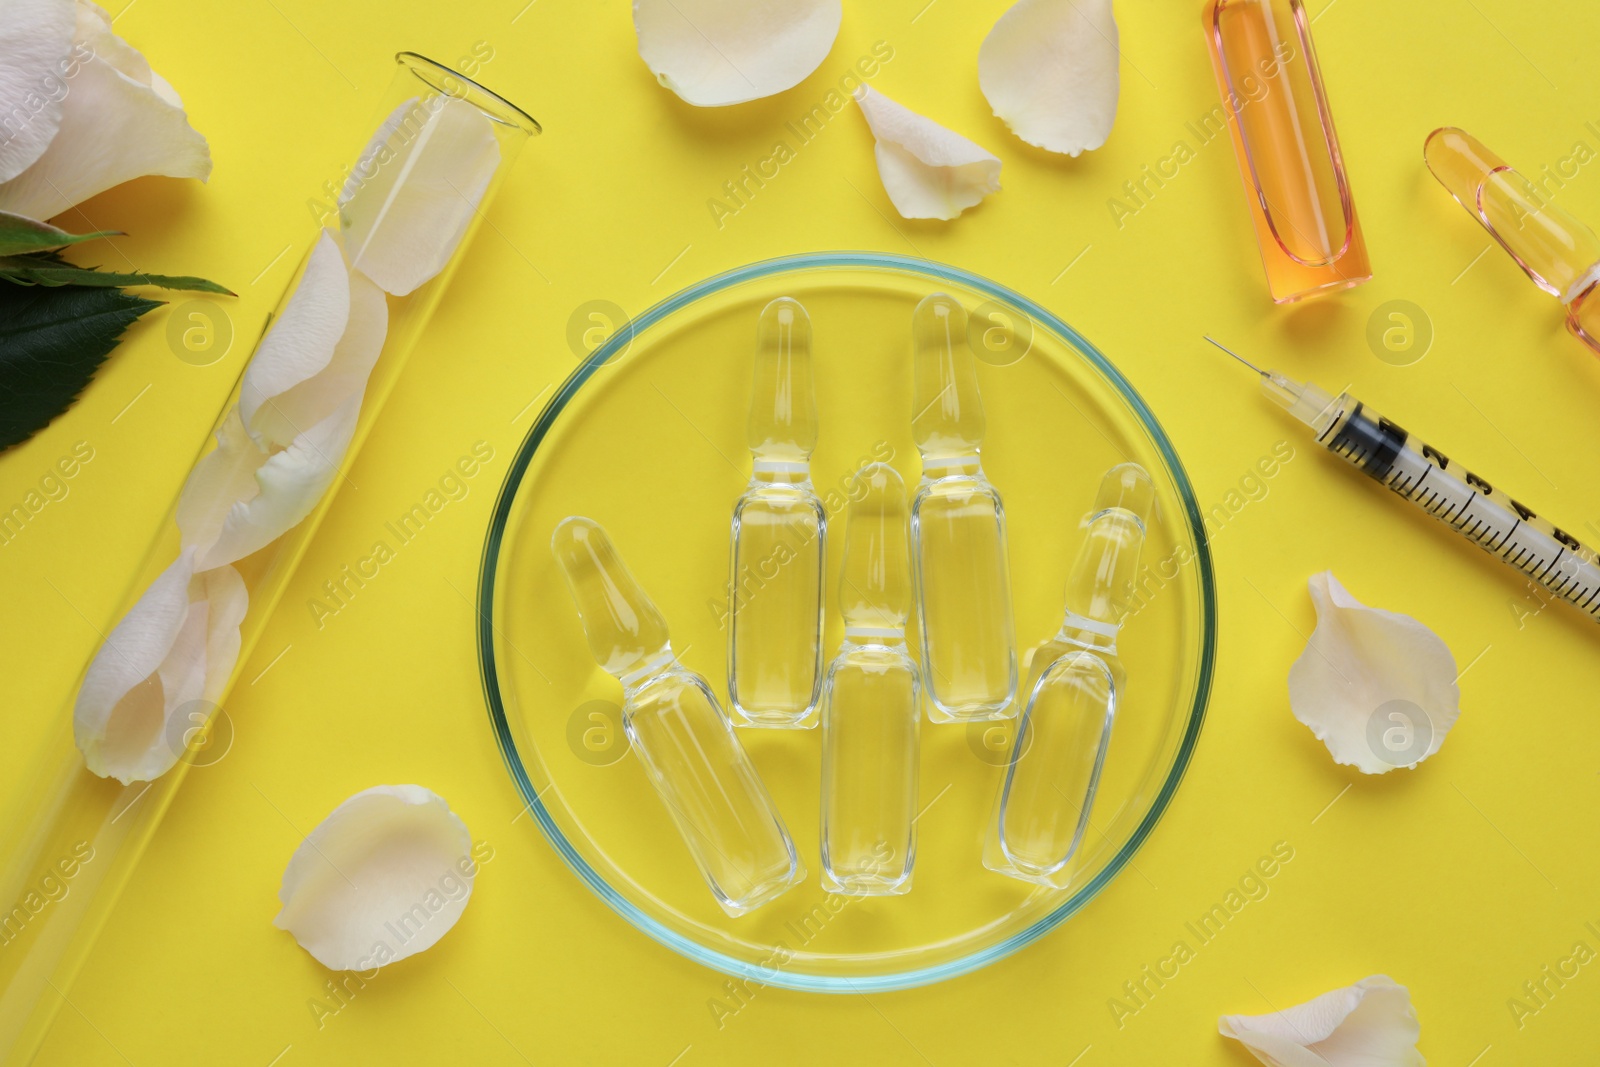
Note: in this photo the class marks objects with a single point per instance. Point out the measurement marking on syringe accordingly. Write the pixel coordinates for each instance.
(1552, 565)
(1509, 532)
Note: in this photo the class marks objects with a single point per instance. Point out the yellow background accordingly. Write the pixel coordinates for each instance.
(1461, 879)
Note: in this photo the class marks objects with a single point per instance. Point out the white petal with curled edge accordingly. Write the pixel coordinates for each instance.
(928, 171)
(290, 484)
(301, 342)
(1369, 1024)
(718, 52)
(94, 29)
(115, 125)
(227, 600)
(1049, 69)
(35, 39)
(307, 403)
(420, 182)
(1377, 687)
(143, 671)
(383, 877)
(223, 477)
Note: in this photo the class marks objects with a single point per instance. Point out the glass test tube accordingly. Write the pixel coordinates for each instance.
(958, 530)
(870, 716)
(779, 532)
(67, 819)
(683, 738)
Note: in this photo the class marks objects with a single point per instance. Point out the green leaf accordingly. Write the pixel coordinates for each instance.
(18, 233)
(47, 268)
(52, 340)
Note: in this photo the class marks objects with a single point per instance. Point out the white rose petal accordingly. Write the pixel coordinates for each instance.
(1369, 1024)
(118, 122)
(289, 483)
(35, 39)
(178, 644)
(928, 171)
(1377, 687)
(415, 190)
(1049, 69)
(306, 403)
(718, 52)
(224, 476)
(122, 705)
(383, 877)
(301, 341)
(280, 448)
(227, 600)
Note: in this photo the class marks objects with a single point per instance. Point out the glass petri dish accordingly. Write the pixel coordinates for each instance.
(647, 436)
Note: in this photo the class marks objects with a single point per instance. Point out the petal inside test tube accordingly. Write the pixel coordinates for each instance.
(947, 412)
(783, 403)
(622, 625)
(875, 586)
(1556, 250)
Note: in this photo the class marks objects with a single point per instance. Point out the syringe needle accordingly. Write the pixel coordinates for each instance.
(1304, 401)
(1236, 355)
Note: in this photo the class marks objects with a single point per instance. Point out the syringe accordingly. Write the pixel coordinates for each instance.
(1449, 492)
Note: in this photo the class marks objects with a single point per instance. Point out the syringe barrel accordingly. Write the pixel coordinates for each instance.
(1472, 507)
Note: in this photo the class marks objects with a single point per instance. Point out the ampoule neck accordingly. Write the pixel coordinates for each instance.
(874, 636)
(1091, 635)
(772, 471)
(1108, 560)
(652, 666)
(937, 465)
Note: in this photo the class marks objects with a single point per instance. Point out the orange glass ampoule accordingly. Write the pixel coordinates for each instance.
(1559, 253)
(1294, 177)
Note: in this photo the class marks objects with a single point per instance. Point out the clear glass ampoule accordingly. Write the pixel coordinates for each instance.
(958, 530)
(684, 739)
(869, 709)
(779, 530)
(1075, 681)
